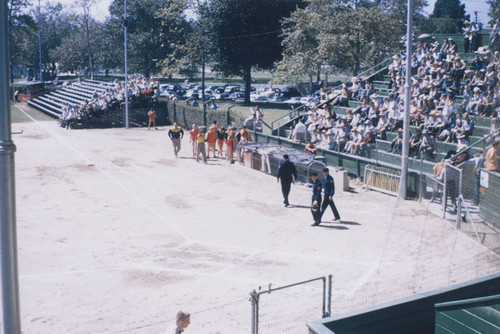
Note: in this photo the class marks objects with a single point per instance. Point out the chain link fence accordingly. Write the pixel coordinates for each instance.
(288, 308)
(186, 115)
(455, 192)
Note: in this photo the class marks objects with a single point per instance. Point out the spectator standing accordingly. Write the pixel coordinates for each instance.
(316, 200)
(176, 134)
(221, 138)
(231, 144)
(287, 174)
(491, 159)
(328, 192)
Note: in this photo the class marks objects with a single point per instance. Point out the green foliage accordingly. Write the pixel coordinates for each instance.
(494, 12)
(452, 9)
(157, 31)
(348, 35)
(243, 34)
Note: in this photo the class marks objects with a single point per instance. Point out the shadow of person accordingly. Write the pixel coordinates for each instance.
(345, 222)
(334, 227)
(300, 206)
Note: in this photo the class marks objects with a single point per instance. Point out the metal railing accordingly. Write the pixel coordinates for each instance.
(326, 301)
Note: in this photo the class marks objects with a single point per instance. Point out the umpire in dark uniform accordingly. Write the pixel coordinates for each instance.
(329, 191)
(287, 173)
(316, 199)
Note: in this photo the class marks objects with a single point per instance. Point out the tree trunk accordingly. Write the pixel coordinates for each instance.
(247, 77)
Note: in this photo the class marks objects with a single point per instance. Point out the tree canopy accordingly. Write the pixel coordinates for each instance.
(243, 34)
(449, 9)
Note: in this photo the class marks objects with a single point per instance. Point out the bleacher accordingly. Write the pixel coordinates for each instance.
(381, 83)
(76, 94)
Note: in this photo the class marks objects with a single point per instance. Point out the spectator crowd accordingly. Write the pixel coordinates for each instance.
(446, 91)
(140, 90)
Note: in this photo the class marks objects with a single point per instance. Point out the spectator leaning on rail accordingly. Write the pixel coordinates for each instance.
(491, 159)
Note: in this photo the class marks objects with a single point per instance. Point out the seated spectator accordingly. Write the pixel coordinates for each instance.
(397, 143)
(428, 146)
(415, 141)
(311, 148)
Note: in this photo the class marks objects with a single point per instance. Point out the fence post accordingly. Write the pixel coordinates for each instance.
(254, 298)
(329, 304)
(175, 112)
(443, 201)
(420, 183)
(459, 198)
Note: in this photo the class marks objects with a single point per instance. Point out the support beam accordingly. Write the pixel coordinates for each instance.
(8, 240)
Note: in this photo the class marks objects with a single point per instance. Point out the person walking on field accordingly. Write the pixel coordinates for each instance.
(211, 139)
(287, 174)
(221, 138)
(316, 199)
(193, 133)
(231, 144)
(200, 146)
(176, 134)
(328, 192)
(152, 119)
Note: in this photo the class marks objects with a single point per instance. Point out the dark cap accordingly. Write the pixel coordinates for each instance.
(285, 156)
(325, 170)
(314, 174)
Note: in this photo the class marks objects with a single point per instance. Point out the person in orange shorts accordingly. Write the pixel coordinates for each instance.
(221, 138)
(193, 133)
(152, 119)
(211, 140)
(230, 144)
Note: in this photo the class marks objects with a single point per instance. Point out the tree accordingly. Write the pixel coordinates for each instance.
(450, 9)
(347, 35)
(243, 34)
(494, 12)
(155, 29)
(21, 32)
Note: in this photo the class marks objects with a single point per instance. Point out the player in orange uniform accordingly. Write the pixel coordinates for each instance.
(230, 144)
(211, 140)
(193, 133)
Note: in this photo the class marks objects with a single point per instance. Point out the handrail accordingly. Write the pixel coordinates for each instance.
(301, 106)
(381, 64)
(497, 131)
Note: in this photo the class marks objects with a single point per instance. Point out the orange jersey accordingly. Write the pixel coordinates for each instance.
(211, 137)
(193, 134)
(230, 139)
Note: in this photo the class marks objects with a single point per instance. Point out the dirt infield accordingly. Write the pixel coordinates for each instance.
(115, 235)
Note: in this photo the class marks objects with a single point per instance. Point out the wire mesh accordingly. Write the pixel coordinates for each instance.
(287, 310)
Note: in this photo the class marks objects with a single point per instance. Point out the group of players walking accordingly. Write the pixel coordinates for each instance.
(287, 173)
(203, 142)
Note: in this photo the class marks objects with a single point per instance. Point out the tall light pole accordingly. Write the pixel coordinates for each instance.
(40, 37)
(406, 119)
(11, 321)
(125, 25)
(203, 85)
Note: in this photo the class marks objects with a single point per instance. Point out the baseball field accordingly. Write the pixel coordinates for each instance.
(115, 235)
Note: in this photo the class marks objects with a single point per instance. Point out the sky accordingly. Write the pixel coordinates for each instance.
(100, 10)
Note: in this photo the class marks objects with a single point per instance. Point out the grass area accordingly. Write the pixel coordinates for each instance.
(17, 116)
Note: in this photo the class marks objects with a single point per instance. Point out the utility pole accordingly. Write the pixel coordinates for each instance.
(125, 26)
(11, 321)
(203, 85)
(40, 37)
(406, 120)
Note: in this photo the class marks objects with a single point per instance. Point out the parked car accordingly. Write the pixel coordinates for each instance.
(259, 98)
(293, 100)
(290, 92)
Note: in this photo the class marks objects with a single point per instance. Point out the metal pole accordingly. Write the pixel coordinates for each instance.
(329, 295)
(8, 241)
(203, 86)
(40, 37)
(459, 199)
(125, 25)
(406, 120)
